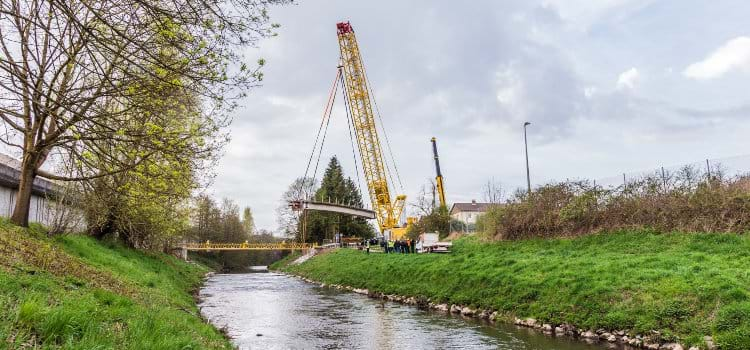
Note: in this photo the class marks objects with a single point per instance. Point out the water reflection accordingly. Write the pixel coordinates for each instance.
(273, 311)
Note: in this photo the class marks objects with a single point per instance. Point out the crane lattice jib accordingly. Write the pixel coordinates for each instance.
(363, 118)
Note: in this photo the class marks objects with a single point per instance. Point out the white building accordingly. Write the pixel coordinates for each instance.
(467, 213)
(41, 210)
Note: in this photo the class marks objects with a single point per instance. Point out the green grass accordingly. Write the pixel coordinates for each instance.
(684, 285)
(74, 292)
(285, 261)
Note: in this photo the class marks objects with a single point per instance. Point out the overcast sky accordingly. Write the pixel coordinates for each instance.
(609, 87)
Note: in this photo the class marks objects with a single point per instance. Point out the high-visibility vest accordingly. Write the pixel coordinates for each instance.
(390, 244)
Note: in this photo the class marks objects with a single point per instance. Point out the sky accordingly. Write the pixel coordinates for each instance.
(609, 86)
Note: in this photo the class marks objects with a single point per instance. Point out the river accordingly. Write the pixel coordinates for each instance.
(275, 311)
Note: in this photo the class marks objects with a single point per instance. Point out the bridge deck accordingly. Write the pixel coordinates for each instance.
(333, 208)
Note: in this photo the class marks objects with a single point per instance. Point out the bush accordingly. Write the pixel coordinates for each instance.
(686, 201)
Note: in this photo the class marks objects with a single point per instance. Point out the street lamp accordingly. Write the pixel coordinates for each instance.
(526, 147)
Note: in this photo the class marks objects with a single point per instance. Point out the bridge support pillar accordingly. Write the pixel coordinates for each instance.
(184, 254)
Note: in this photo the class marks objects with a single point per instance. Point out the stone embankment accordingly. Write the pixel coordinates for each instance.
(636, 341)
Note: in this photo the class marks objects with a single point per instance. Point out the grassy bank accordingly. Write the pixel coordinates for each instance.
(78, 293)
(685, 286)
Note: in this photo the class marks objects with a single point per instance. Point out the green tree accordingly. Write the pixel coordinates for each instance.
(76, 73)
(221, 224)
(144, 203)
(336, 188)
(248, 224)
(439, 220)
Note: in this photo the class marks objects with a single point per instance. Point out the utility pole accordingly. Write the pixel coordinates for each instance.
(526, 147)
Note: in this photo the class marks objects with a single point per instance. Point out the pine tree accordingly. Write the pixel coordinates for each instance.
(338, 189)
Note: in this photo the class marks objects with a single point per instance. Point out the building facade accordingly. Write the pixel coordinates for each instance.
(43, 207)
(465, 215)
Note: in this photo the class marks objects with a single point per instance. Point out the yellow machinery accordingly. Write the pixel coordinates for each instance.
(388, 211)
(439, 177)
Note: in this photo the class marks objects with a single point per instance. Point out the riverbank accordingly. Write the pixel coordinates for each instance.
(665, 288)
(76, 292)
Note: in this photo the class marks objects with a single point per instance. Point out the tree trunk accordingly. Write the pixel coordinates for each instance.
(20, 215)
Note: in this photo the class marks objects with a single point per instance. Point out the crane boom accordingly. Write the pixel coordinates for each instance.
(387, 211)
(439, 177)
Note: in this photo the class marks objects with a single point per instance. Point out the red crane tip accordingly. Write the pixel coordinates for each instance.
(344, 27)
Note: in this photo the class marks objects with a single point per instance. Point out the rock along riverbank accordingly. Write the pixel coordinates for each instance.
(641, 289)
(637, 341)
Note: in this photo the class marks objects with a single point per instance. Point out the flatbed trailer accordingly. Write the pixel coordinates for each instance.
(437, 247)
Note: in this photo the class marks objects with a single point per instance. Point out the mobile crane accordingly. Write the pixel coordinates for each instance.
(388, 210)
(439, 177)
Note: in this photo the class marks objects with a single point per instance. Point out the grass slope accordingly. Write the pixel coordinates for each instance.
(74, 292)
(684, 285)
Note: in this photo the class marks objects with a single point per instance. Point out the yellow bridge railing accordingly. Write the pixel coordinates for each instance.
(247, 246)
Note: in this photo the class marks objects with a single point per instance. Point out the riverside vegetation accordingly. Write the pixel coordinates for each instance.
(74, 291)
(635, 259)
(673, 287)
(687, 200)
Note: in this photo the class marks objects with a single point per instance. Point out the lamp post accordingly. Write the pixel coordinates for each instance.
(526, 147)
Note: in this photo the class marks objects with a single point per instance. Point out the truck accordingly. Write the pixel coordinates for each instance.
(430, 243)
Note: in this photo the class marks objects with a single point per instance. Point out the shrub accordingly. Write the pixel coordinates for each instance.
(686, 201)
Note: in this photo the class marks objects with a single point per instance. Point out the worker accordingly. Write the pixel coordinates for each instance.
(390, 246)
(413, 246)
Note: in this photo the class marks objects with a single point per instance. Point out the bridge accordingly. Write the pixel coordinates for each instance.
(332, 208)
(306, 205)
(208, 246)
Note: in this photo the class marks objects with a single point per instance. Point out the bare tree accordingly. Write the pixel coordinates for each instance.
(288, 219)
(63, 213)
(493, 192)
(424, 203)
(74, 73)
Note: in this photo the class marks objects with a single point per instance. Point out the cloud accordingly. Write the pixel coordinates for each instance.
(628, 79)
(734, 55)
(471, 75)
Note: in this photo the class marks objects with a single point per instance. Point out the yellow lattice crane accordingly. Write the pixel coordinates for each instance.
(388, 210)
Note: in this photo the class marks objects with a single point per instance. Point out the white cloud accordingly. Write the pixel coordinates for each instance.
(589, 91)
(437, 76)
(734, 55)
(628, 79)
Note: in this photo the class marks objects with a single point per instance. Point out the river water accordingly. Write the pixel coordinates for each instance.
(274, 311)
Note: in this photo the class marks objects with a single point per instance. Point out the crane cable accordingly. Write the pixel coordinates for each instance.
(324, 121)
(352, 135)
(325, 132)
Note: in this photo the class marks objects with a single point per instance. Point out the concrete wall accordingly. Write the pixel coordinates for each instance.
(41, 209)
